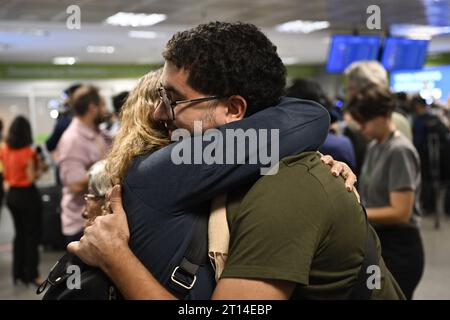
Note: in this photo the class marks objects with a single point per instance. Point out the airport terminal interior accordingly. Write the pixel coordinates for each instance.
(68, 68)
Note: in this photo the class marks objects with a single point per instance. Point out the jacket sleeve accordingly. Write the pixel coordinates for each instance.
(161, 183)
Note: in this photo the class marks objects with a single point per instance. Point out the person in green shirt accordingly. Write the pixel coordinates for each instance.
(302, 227)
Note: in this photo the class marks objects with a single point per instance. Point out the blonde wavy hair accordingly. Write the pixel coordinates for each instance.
(139, 133)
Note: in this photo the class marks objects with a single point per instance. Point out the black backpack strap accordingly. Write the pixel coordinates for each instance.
(360, 290)
(184, 276)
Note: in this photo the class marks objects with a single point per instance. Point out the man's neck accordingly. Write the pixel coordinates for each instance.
(390, 127)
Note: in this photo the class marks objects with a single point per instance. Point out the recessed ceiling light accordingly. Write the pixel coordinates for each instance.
(101, 49)
(64, 60)
(128, 19)
(142, 34)
(302, 26)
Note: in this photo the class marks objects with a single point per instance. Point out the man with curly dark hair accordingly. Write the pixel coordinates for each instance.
(286, 240)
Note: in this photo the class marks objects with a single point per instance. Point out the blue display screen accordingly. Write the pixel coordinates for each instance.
(432, 83)
(346, 49)
(404, 54)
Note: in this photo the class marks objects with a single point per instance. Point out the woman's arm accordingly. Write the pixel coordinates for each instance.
(303, 126)
(399, 211)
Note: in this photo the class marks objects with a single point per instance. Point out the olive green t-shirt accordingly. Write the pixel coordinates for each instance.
(301, 225)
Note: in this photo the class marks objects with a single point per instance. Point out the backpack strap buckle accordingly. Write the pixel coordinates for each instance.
(181, 282)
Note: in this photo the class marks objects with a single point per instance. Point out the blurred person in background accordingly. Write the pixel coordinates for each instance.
(432, 141)
(64, 119)
(62, 123)
(2, 190)
(338, 146)
(22, 167)
(81, 145)
(114, 123)
(99, 185)
(363, 73)
(389, 185)
(357, 76)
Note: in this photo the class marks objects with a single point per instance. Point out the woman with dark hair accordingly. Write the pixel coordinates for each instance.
(22, 167)
(389, 184)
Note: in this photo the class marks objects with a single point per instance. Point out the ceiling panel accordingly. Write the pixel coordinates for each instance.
(20, 18)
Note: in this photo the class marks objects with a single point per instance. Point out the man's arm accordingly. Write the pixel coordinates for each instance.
(302, 125)
(105, 245)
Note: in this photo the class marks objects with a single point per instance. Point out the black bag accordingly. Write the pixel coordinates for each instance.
(52, 237)
(95, 285)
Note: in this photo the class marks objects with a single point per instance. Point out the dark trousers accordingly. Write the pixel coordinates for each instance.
(25, 205)
(402, 251)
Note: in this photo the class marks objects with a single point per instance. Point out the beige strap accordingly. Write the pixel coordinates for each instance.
(218, 234)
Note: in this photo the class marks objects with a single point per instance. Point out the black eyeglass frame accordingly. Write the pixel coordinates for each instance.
(170, 105)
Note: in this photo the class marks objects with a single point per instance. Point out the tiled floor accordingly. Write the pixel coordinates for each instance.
(435, 283)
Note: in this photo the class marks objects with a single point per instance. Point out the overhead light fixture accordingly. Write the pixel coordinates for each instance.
(101, 49)
(129, 19)
(142, 34)
(302, 26)
(64, 60)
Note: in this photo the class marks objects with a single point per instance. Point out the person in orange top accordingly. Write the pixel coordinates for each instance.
(22, 167)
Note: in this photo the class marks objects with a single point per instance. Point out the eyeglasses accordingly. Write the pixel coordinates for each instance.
(170, 105)
(89, 196)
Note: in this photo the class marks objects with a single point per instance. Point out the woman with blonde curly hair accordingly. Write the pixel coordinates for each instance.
(139, 133)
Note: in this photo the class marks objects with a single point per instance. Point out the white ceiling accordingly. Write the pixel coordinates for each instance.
(36, 30)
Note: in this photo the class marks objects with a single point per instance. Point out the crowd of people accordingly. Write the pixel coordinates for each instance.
(302, 233)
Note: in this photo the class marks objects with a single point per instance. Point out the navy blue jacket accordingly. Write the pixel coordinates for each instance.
(163, 200)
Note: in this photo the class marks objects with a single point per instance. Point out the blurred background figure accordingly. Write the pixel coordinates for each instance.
(81, 145)
(113, 124)
(22, 167)
(99, 185)
(338, 146)
(2, 190)
(63, 120)
(390, 184)
(432, 141)
(358, 76)
(62, 123)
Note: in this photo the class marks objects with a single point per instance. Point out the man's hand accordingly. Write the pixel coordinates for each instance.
(103, 242)
(341, 168)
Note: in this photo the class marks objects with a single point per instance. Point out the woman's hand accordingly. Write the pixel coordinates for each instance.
(106, 238)
(341, 168)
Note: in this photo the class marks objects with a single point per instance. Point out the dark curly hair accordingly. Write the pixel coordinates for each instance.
(371, 102)
(19, 134)
(230, 59)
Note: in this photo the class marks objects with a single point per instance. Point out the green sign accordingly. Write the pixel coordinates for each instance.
(77, 71)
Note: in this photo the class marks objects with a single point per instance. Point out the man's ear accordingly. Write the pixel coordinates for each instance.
(237, 107)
